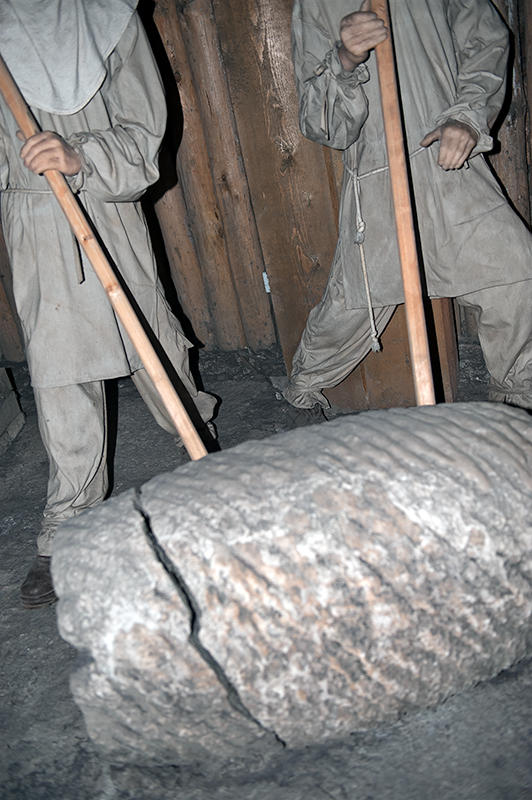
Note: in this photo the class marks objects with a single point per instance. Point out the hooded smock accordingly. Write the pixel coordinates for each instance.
(70, 329)
(451, 63)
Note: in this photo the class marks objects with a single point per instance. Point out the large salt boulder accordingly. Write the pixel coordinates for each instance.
(294, 590)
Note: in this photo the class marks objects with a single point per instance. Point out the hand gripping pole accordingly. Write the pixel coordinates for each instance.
(415, 314)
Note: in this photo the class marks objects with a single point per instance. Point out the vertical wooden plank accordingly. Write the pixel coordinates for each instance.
(229, 177)
(287, 175)
(510, 163)
(447, 346)
(204, 214)
(183, 262)
(525, 29)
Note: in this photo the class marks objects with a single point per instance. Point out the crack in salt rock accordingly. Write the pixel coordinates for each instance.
(195, 614)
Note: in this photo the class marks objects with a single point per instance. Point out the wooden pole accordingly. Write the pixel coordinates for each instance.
(415, 315)
(105, 273)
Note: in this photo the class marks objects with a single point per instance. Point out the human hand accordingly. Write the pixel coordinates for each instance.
(457, 140)
(360, 32)
(48, 150)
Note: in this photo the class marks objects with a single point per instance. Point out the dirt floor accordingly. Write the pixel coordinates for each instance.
(476, 746)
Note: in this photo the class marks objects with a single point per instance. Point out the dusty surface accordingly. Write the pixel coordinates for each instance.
(476, 746)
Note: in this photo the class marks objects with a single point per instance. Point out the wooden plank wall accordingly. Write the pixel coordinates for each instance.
(252, 186)
(511, 162)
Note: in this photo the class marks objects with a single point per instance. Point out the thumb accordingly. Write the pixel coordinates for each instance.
(366, 5)
(21, 136)
(431, 137)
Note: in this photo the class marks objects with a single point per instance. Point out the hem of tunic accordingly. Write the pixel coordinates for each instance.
(441, 294)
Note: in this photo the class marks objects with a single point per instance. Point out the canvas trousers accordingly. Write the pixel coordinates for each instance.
(73, 426)
(336, 339)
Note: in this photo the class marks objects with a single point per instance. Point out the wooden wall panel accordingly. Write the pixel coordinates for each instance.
(525, 26)
(510, 163)
(228, 173)
(287, 175)
(205, 217)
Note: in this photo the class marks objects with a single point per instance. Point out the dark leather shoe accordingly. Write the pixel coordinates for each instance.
(38, 590)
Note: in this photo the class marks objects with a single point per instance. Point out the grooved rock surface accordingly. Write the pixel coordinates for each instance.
(302, 587)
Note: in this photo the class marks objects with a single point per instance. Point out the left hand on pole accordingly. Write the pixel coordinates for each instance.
(47, 150)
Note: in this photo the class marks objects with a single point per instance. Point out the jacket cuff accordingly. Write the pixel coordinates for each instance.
(332, 64)
(484, 141)
(77, 181)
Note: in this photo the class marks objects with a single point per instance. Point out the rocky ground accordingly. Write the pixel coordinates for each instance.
(476, 746)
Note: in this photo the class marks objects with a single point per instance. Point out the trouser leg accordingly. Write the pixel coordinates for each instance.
(334, 342)
(505, 335)
(73, 426)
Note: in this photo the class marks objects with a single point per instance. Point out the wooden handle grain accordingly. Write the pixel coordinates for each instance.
(415, 314)
(123, 308)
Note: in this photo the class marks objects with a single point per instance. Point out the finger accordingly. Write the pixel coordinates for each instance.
(35, 142)
(47, 156)
(459, 158)
(40, 161)
(365, 40)
(455, 148)
(366, 5)
(364, 37)
(452, 159)
(430, 138)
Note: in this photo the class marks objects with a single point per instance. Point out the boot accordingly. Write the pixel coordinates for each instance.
(37, 590)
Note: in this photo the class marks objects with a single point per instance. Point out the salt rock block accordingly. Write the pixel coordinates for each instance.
(147, 694)
(303, 587)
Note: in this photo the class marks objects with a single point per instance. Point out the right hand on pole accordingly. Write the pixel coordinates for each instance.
(47, 150)
(360, 32)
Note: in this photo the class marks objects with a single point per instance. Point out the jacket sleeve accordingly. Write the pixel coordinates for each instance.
(121, 161)
(332, 103)
(481, 44)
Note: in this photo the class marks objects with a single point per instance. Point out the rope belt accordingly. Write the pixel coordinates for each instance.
(360, 236)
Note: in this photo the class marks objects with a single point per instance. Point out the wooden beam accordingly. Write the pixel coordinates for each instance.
(228, 172)
(204, 214)
(287, 174)
(510, 162)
